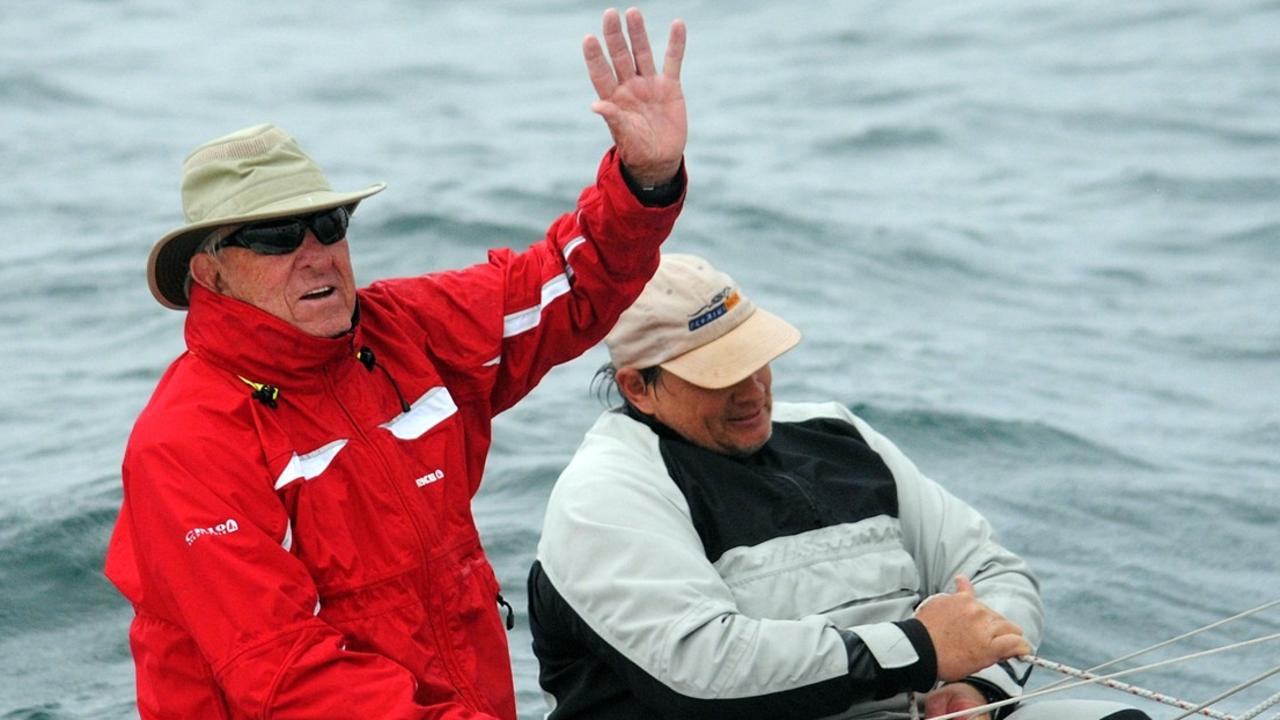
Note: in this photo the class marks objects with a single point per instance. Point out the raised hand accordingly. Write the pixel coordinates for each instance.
(644, 109)
(967, 635)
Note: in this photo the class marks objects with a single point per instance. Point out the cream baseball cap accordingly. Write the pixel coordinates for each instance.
(695, 322)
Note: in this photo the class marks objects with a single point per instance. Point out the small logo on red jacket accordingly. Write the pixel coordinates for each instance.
(225, 528)
(429, 478)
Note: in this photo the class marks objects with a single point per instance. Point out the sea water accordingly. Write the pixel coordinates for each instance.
(1035, 243)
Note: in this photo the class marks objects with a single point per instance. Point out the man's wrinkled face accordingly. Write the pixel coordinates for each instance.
(736, 420)
(312, 288)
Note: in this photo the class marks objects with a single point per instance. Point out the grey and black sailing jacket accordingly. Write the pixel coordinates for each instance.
(675, 582)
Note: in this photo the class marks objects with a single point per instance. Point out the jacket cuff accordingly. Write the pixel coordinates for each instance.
(902, 652)
(923, 674)
(658, 195)
(1007, 676)
(1001, 681)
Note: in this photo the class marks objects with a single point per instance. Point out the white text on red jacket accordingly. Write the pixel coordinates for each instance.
(225, 528)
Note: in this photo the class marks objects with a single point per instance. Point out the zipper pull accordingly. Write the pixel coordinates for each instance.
(511, 613)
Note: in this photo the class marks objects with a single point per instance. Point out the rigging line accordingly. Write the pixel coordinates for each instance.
(1126, 687)
(1184, 636)
(1255, 712)
(1247, 683)
(1120, 673)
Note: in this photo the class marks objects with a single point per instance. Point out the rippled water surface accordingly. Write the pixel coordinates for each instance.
(1035, 243)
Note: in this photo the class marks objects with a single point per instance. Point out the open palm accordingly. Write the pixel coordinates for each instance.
(644, 109)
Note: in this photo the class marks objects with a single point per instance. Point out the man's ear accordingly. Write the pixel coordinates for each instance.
(204, 270)
(632, 387)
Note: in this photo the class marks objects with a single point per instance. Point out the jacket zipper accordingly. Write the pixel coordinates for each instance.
(438, 632)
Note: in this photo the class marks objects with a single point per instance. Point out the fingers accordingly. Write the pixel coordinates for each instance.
(623, 63)
(1010, 645)
(1001, 625)
(624, 67)
(598, 68)
(954, 697)
(640, 49)
(1006, 638)
(967, 635)
(607, 72)
(675, 50)
(610, 113)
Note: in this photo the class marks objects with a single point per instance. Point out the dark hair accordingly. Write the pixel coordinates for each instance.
(605, 382)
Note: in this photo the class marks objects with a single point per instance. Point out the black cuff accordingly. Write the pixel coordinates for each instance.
(921, 675)
(658, 195)
(993, 694)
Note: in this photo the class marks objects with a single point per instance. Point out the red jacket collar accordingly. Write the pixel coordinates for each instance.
(257, 345)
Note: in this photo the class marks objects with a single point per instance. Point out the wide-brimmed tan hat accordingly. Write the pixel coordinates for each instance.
(257, 173)
(695, 322)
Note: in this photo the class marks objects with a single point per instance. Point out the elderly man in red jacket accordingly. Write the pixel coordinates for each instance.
(296, 535)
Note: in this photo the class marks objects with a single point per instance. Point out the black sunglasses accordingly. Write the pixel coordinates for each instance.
(283, 236)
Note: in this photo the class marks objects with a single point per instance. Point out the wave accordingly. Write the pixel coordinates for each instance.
(1031, 441)
(51, 565)
(900, 250)
(1121, 18)
(28, 90)
(1177, 187)
(474, 232)
(1122, 123)
(884, 138)
(1259, 240)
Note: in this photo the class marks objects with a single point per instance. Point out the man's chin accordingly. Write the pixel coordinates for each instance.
(327, 324)
(329, 329)
(743, 447)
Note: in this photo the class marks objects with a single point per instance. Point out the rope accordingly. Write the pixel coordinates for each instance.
(1255, 712)
(1184, 636)
(1130, 671)
(1126, 687)
(1252, 681)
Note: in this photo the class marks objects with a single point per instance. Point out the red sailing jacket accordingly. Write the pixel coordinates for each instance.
(313, 554)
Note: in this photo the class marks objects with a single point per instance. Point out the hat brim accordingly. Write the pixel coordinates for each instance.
(170, 257)
(730, 358)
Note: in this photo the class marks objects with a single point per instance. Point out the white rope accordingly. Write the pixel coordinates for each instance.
(1121, 673)
(1126, 687)
(1184, 636)
(1255, 712)
(1248, 683)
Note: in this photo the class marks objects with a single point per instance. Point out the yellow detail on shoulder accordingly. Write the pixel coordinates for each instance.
(273, 392)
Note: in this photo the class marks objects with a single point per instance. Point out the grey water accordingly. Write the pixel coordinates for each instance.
(1036, 243)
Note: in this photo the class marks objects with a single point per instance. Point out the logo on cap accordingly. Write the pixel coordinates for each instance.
(723, 302)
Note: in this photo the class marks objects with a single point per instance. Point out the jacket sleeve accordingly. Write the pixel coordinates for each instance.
(646, 600)
(512, 319)
(209, 549)
(948, 537)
